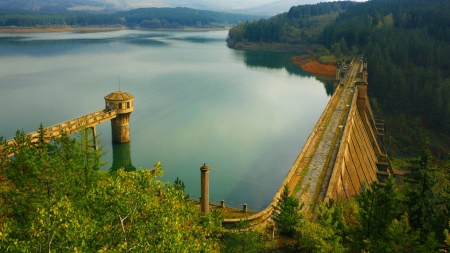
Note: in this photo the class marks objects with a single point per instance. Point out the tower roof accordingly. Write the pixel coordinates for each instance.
(119, 96)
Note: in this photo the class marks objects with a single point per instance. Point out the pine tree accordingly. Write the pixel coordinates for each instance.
(378, 207)
(286, 213)
(421, 199)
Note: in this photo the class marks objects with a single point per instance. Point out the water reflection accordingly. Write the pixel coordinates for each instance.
(199, 39)
(280, 60)
(122, 157)
(198, 102)
(60, 45)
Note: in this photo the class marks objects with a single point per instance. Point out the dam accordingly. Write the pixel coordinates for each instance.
(344, 150)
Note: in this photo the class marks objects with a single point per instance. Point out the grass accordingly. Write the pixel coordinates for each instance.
(399, 163)
(228, 212)
(327, 59)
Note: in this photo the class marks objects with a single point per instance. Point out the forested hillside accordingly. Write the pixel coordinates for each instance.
(301, 24)
(145, 17)
(407, 46)
(408, 50)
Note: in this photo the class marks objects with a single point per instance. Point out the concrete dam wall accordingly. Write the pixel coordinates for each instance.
(361, 156)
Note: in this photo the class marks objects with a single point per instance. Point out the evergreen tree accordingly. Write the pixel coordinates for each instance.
(321, 234)
(378, 207)
(243, 239)
(286, 213)
(421, 199)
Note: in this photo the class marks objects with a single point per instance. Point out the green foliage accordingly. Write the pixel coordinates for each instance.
(447, 237)
(242, 239)
(378, 207)
(421, 198)
(292, 27)
(58, 201)
(428, 196)
(144, 17)
(321, 235)
(407, 47)
(286, 213)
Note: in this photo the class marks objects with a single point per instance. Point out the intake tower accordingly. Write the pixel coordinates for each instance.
(122, 103)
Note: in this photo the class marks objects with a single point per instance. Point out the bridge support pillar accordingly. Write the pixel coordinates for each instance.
(94, 138)
(361, 101)
(204, 199)
(364, 73)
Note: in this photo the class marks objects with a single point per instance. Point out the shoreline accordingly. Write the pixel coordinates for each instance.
(269, 46)
(60, 29)
(306, 62)
(314, 67)
(98, 29)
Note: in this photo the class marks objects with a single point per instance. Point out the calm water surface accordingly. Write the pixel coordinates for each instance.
(246, 114)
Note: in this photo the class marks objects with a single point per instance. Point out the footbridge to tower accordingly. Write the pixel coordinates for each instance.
(118, 107)
(344, 149)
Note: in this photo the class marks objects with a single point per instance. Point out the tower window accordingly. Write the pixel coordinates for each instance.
(128, 104)
(120, 105)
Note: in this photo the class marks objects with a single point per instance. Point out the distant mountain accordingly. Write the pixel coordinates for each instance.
(278, 7)
(120, 5)
(258, 7)
(217, 5)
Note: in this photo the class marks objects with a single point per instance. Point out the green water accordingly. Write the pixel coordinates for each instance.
(246, 114)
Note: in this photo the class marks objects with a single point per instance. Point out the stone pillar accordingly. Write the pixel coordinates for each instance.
(364, 76)
(338, 70)
(120, 128)
(94, 138)
(361, 102)
(204, 188)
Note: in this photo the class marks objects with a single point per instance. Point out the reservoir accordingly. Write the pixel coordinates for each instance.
(246, 114)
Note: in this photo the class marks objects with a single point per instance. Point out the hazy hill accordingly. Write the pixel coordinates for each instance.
(277, 7)
(197, 4)
(259, 7)
(115, 5)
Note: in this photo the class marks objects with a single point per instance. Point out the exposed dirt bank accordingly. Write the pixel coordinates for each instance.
(310, 65)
